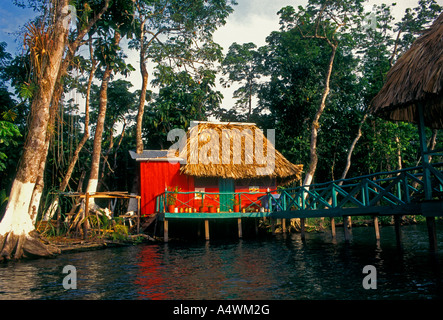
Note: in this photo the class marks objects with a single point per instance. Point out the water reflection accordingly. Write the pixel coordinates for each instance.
(149, 278)
(281, 267)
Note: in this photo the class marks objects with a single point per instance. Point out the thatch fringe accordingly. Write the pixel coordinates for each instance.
(207, 156)
(416, 78)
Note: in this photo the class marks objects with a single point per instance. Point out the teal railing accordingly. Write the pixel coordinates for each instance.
(384, 189)
(246, 200)
(360, 195)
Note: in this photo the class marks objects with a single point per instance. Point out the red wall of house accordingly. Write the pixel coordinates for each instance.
(155, 177)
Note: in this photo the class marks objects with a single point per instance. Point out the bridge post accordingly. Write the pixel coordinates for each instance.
(346, 228)
(240, 231)
(376, 228)
(397, 222)
(302, 228)
(432, 233)
(333, 233)
(206, 229)
(165, 231)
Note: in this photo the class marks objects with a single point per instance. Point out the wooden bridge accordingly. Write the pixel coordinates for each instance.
(401, 192)
(411, 191)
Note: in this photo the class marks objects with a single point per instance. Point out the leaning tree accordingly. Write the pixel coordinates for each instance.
(16, 227)
(51, 49)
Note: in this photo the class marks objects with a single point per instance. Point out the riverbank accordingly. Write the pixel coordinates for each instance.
(67, 244)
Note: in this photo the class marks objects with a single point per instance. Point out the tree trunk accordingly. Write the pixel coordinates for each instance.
(39, 185)
(141, 109)
(141, 105)
(16, 227)
(97, 146)
(351, 149)
(56, 97)
(313, 157)
(54, 204)
(433, 142)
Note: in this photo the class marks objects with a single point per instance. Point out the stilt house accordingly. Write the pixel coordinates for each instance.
(214, 166)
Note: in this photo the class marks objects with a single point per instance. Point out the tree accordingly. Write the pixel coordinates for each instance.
(379, 49)
(321, 21)
(178, 34)
(92, 67)
(87, 18)
(120, 108)
(242, 65)
(114, 26)
(16, 226)
(180, 100)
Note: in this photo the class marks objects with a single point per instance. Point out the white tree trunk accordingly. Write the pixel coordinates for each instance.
(97, 148)
(17, 219)
(16, 225)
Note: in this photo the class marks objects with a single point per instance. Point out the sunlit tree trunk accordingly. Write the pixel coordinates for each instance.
(141, 105)
(16, 226)
(54, 204)
(97, 146)
(351, 149)
(56, 98)
(313, 156)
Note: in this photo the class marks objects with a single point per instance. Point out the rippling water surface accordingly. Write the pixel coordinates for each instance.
(280, 267)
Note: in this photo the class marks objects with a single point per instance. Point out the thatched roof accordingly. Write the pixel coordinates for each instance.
(416, 78)
(233, 150)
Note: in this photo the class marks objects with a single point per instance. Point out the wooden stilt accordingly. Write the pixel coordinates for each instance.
(240, 231)
(397, 223)
(346, 228)
(85, 223)
(302, 228)
(283, 224)
(333, 233)
(138, 214)
(256, 226)
(207, 229)
(432, 233)
(376, 228)
(165, 231)
(273, 226)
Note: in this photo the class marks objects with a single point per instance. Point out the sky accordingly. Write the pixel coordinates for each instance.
(251, 21)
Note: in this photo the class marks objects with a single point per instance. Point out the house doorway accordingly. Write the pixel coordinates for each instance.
(227, 189)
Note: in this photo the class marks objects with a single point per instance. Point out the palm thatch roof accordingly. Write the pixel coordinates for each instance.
(416, 78)
(234, 151)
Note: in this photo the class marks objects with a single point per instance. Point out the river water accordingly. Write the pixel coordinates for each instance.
(269, 268)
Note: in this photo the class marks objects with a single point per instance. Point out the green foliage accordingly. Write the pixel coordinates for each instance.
(181, 99)
(242, 65)
(7, 132)
(296, 61)
(3, 201)
(120, 232)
